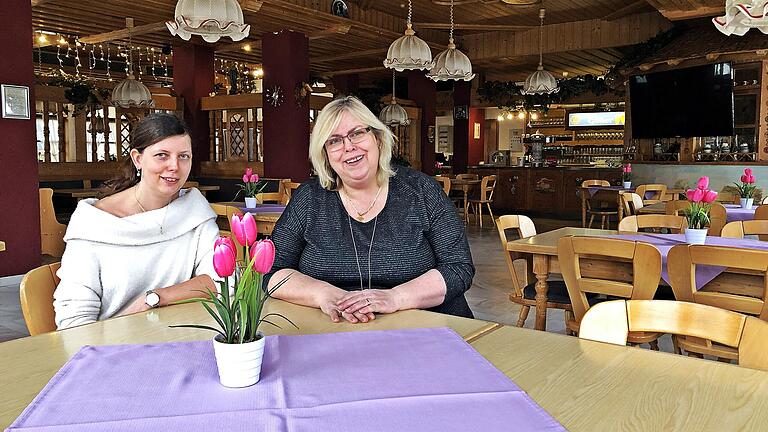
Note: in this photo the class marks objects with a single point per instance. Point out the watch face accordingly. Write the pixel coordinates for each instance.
(152, 299)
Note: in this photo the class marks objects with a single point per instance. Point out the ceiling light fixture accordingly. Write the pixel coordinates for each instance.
(408, 52)
(393, 114)
(211, 19)
(741, 16)
(451, 64)
(541, 81)
(131, 93)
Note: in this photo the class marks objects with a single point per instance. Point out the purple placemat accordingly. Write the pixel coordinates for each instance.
(264, 208)
(734, 212)
(704, 274)
(594, 189)
(403, 380)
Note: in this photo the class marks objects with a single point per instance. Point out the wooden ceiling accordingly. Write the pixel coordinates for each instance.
(580, 36)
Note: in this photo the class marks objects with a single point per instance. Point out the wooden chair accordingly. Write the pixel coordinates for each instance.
(524, 293)
(717, 214)
(765, 200)
(487, 186)
(190, 184)
(596, 207)
(36, 296)
(761, 212)
(446, 182)
(728, 198)
(224, 211)
(288, 188)
(748, 296)
(651, 193)
(676, 224)
(631, 203)
(467, 177)
(51, 231)
(640, 284)
(614, 321)
(738, 229)
(676, 208)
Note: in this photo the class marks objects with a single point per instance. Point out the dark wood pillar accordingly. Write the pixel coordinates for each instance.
(20, 226)
(286, 126)
(193, 77)
(346, 84)
(462, 90)
(422, 91)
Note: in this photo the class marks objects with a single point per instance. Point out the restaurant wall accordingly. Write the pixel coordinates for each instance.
(19, 202)
(685, 176)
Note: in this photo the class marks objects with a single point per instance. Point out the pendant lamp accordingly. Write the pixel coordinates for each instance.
(408, 52)
(541, 81)
(740, 16)
(211, 19)
(131, 93)
(451, 64)
(393, 114)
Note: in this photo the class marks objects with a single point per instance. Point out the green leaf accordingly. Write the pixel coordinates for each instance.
(281, 316)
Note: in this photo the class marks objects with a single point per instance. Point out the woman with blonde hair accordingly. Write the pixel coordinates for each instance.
(363, 237)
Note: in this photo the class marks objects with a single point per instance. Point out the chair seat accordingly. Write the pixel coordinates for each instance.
(611, 210)
(557, 293)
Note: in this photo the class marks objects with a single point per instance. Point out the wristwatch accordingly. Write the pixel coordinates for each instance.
(152, 299)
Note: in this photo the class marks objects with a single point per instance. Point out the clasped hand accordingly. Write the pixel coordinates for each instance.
(361, 306)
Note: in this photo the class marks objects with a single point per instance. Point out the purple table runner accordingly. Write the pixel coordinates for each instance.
(403, 380)
(264, 208)
(594, 189)
(704, 274)
(734, 212)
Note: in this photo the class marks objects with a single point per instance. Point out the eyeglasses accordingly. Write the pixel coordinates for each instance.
(355, 137)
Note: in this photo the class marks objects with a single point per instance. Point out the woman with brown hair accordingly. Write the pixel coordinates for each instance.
(146, 242)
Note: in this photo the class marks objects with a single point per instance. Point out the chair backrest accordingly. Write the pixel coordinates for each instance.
(36, 297)
(467, 177)
(681, 264)
(525, 228)
(728, 197)
(51, 231)
(635, 223)
(651, 193)
(224, 211)
(761, 212)
(446, 182)
(738, 229)
(288, 188)
(644, 258)
(676, 207)
(765, 200)
(630, 202)
(270, 197)
(595, 182)
(190, 184)
(487, 186)
(612, 321)
(717, 219)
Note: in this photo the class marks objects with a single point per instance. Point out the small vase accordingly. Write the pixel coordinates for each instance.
(250, 202)
(239, 364)
(627, 184)
(696, 235)
(746, 203)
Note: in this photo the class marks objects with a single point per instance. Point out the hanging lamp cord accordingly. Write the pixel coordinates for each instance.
(541, 36)
(410, 11)
(394, 100)
(450, 36)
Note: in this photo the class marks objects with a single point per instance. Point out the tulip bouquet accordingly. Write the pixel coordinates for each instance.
(239, 314)
(251, 184)
(626, 173)
(701, 200)
(747, 186)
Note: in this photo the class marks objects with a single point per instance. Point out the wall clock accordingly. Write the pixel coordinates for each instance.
(274, 96)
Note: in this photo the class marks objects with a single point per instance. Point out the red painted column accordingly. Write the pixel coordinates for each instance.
(422, 91)
(193, 78)
(19, 202)
(286, 127)
(476, 145)
(462, 91)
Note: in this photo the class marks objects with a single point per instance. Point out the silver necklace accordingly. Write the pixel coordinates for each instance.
(361, 215)
(143, 210)
(370, 248)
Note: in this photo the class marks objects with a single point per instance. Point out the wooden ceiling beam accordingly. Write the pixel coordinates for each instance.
(481, 27)
(629, 9)
(124, 33)
(699, 12)
(36, 3)
(349, 56)
(355, 71)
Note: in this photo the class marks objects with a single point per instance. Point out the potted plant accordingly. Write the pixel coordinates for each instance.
(238, 344)
(746, 189)
(251, 187)
(626, 176)
(701, 200)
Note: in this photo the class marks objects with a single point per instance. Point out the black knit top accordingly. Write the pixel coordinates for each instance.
(417, 230)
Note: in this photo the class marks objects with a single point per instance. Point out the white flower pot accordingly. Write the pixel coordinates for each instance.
(239, 364)
(250, 202)
(746, 202)
(626, 185)
(696, 235)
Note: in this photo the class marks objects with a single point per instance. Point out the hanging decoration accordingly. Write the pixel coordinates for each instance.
(541, 81)
(131, 93)
(408, 52)
(393, 114)
(451, 64)
(740, 16)
(210, 19)
(507, 94)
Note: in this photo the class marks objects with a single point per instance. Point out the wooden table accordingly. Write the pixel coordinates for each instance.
(77, 193)
(29, 363)
(265, 222)
(464, 186)
(608, 195)
(656, 208)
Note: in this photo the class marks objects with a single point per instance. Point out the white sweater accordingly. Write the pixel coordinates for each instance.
(109, 261)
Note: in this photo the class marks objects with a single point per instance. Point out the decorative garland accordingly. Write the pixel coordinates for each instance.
(78, 91)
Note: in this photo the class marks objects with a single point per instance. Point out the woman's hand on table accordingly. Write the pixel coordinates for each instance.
(137, 305)
(329, 307)
(368, 302)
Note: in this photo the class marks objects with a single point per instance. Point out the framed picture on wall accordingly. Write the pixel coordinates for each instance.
(460, 112)
(15, 101)
(476, 134)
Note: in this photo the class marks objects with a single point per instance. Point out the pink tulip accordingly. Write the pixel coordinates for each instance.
(248, 172)
(624, 169)
(244, 229)
(748, 171)
(225, 240)
(695, 195)
(224, 258)
(709, 196)
(703, 183)
(629, 168)
(254, 178)
(751, 179)
(263, 256)
(246, 178)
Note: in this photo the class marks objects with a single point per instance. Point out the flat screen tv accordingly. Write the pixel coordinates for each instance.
(689, 102)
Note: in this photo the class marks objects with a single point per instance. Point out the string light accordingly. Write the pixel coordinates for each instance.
(153, 64)
(109, 76)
